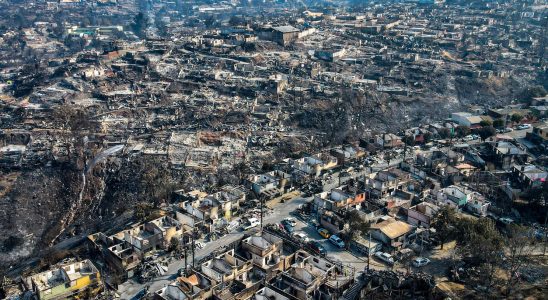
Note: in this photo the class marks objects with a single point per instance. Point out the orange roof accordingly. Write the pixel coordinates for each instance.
(464, 166)
(191, 280)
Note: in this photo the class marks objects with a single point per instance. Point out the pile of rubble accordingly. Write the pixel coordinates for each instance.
(533, 274)
(390, 284)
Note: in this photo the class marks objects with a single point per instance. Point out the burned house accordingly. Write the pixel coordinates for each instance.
(267, 253)
(270, 185)
(310, 277)
(193, 287)
(67, 281)
(230, 273)
(422, 214)
(337, 199)
(314, 165)
(384, 183)
(125, 250)
(529, 176)
(283, 35)
(505, 154)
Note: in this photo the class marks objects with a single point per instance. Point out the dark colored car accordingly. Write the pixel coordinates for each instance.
(287, 226)
(317, 247)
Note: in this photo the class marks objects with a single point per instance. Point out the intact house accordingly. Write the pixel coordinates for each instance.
(456, 196)
(66, 281)
(466, 119)
(392, 233)
(365, 245)
(478, 205)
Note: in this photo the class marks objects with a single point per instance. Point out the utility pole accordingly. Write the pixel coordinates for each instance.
(262, 206)
(422, 240)
(369, 252)
(193, 233)
(186, 260)
(544, 231)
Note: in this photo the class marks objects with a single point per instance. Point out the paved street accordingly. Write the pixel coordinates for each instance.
(131, 287)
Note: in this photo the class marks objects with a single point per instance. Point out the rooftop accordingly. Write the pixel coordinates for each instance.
(393, 228)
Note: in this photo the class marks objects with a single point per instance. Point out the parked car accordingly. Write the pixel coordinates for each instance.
(468, 138)
(287, 227)
(251, 223)
(291, 221)
(523, 126)
(301, 237)
(324, 233)
(508, 129)
(387, 258)
(335, 240)
(287, 224)
(317, 247)
(420, 261)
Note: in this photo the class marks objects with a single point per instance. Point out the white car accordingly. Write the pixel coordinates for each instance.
(291, 221)
(301, 237)
(420, 261)
(335, 240)
(252, 223)
(387, 258)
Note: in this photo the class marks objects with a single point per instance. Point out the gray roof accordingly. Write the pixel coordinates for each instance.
(285, 29)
